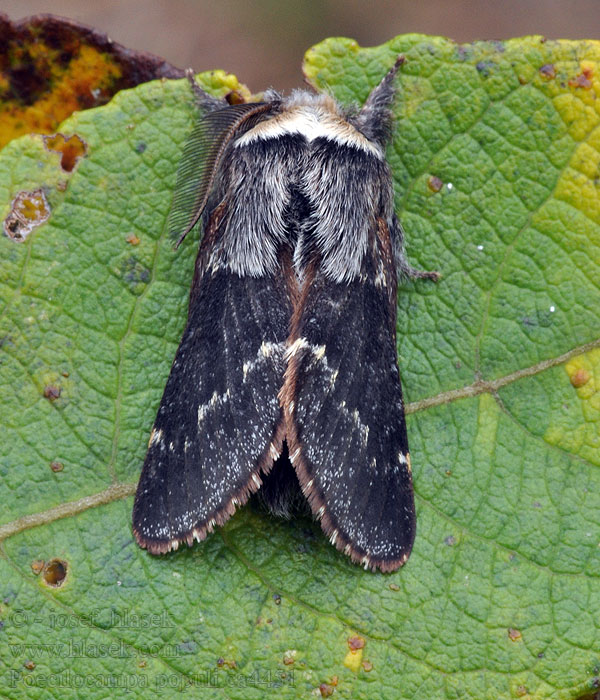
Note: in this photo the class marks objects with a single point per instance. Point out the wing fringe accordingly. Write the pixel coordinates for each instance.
(221, 515)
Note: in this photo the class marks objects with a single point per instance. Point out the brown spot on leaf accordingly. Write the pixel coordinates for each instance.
(51, 392)
(28, 211)
(548, 71)
(132, 239)
(72, 148)
(51, 67)
(37, 566)
(57, 466)
(394, 587)
(514, 635)
(580, 377)
(583, 80)
(235, 98)
(434, 183)
(289, 657)
(326, 690)
(355, 643)
(521, 690)
(367, 665)
(55, 572)
(276, 598)
(29, 664)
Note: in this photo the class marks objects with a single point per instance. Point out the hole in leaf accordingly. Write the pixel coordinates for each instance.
(55, 572)
(72, 148)
(28, 211)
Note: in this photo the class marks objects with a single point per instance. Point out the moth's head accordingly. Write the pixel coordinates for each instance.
(314, 100)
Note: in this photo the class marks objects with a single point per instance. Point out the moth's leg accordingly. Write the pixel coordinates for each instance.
(414, 273)
(403, 267)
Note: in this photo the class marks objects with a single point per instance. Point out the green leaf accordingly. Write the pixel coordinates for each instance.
(495, 156)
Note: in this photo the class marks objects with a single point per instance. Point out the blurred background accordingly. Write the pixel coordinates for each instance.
(263, 41)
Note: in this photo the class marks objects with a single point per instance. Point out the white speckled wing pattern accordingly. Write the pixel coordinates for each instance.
(346, 429)
(219, 413)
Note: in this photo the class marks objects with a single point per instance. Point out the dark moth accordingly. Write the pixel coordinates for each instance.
(287, 370)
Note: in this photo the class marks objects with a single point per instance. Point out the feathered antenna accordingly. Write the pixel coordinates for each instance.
(375, 118)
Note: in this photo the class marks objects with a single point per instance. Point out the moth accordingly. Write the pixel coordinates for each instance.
(286, 379)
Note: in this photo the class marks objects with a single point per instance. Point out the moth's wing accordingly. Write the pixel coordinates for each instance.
(219, 421)
(349, 445)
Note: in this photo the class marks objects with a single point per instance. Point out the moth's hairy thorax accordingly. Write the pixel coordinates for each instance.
(305, 179)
